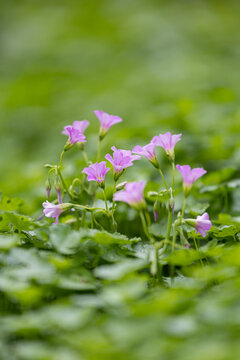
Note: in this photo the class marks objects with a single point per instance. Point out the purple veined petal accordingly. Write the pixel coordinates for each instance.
(96, 172)
(107, 120)
(52, 211)
(203, 224)
(132, 195)
(121, 159)
(81, 125)
(167, 141)
(190, 175)
(148, 151)
(75, 131)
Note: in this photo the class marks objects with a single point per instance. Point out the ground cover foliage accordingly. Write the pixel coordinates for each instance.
(73, 293)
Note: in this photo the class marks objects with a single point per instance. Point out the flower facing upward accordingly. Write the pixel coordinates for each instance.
(132, 195)
(189, 176)
(106, 121)
(96, 172)
(54, 211)
(203, 224)
(75, 132)
(167, 142)
(148, 151)
(120, 160)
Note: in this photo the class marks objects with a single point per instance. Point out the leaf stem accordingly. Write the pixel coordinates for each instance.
(163, 179)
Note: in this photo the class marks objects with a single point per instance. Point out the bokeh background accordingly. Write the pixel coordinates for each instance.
(160, 65)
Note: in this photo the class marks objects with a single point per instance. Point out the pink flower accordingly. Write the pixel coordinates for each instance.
(167, 142)
(96, 172)
(75, 131)
(132, 195)
(121, 159)
(54, 211)
(148, 151)
(203, 224)
(189, 176)
(106, 121)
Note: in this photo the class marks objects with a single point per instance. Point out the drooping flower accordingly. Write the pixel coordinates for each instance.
(132, 195)
(96, 172)
(120, 160)
(167, 142)
(54, 211)
(201, 224)
(75, 132)
(189, 176)
(106, 121)
(148, 151)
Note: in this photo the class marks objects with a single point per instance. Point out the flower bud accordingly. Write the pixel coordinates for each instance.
(156, 209)
(48, 187)
(121, 185)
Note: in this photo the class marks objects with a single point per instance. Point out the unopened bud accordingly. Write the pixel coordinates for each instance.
(121, 185)
(156, 208)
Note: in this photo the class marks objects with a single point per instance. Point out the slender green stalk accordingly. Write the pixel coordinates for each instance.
(149, 223)
(154, 266)
(145, 229)
(173, 175)
(61, 158)
(63, 183)
(195, 243)
(169, 225)
(174, 236)
(85, 156)
(183, 207)
(114, 190)
(161, 173)
(105, 199)
(99, 149)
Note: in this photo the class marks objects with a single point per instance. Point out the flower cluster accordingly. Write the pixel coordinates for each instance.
(131, 193)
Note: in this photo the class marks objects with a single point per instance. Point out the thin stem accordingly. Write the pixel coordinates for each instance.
(154, 265)
(99, 149)
(85, 156)
(169, 225)
(61, 158)
(174, 236)
(183, 207)
(173, 175)
(161, 173)
(114, 190)
(149, 223)
(105, 199)
(145, 229)
(63, 183)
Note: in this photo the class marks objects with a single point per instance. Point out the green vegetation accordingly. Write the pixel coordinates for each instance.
(71, 293)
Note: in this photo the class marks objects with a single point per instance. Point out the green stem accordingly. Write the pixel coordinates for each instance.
(85, 156)
(99, 149)
(114, 190)
(183, 207)
(63, 183)
(173, 175)
(161, 173)
(174, 236)
(169, 225)
(61, 158)
(105, 199)
(154, 266)
(149, 223)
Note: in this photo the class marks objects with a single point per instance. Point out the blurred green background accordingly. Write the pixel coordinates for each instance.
(160, 65)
